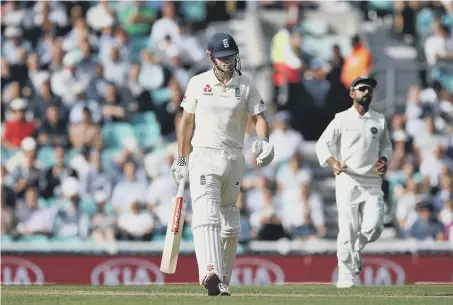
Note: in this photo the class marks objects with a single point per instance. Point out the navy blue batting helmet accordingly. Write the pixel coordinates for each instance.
(221, 45)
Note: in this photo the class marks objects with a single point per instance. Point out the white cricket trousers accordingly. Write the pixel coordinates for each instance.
(360, 218)
(215, 177)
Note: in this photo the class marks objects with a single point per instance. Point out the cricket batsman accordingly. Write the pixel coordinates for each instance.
(210, 147)
(357, 146)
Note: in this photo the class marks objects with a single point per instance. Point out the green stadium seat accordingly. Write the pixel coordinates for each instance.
(144, 117)
(148, 134)
(7, 153)
(6, 239)
(88, 205)
(107, 156)
(424, 21)
(114, 134)
(381, 5)
(161, 96)
(35, 239)
(194, 11)
(46, 155)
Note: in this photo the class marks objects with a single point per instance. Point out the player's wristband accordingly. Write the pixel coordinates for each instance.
(182, 161)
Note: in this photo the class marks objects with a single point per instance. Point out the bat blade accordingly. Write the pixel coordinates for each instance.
(174, 232)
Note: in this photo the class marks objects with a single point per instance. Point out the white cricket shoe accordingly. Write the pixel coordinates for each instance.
(345, 284)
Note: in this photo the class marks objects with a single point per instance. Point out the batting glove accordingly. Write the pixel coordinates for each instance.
(264, 152)
(180, 169)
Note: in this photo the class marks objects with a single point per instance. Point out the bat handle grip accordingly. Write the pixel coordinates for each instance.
(182, 184)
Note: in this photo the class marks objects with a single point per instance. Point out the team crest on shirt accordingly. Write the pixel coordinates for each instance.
(207, 90)
(374, 131)
(237, 93)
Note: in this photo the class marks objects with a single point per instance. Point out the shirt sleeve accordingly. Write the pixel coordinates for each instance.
(189, 101)
(255, 103)
(385, 143)
(327, 141)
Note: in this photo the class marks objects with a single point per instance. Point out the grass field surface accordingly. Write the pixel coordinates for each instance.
(196, 295)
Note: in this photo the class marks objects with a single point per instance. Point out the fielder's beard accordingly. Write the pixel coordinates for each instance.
(365, 101)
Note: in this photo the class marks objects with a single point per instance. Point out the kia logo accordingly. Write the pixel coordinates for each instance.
(126, 271)
(18, 271)
(256, 271)
(378, 272)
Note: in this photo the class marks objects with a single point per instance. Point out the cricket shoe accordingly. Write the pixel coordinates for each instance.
(358, 262)
(215, 286)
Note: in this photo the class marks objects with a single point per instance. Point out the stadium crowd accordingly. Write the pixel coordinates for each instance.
(90, 100)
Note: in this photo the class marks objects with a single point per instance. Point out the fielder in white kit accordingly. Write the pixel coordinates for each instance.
(212, 129)
(356, 144)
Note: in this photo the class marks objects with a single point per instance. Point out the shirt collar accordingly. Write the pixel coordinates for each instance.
(366, 115)
(234, 81)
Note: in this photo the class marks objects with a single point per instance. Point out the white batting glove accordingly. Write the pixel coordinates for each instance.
(180, 169)
(264, 152)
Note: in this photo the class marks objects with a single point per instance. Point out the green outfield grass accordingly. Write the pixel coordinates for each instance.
(193, 294)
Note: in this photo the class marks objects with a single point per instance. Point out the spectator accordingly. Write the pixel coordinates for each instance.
(288, 176)
(100, 16)
(304, 214)
(445, 192)
(33, 220)
(33, 71)
(115, 69)
(7, 76)
(43, 99)
(160, 196)
(405, 208)
(128, 186)
(63, 82)
(432, 166)
(139, 97)
(114, 108)
(97, 179)
(82, 102)
(18, 128)
(13, 44)
(152, 73)
(283, 136)
(87, 64)
(267, 222)
(137, 223)
(358, 63)
(136, 18)
(72, 221)
(427, 142)
(166, 25)
(190, 50)
(244, 216)
(439, 46)
(19, 69)
(446, 218)
(336, 66)
(102, 224)
(85, 133)
(26, 174)
(426, 226)
(7, 216)
(55, 175)
(8, 194)
(316, 84)
(98, 85)
(53, 128)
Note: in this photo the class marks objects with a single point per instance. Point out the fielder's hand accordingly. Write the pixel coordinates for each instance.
(264, 152)
(338, 167)
(180, 169)
(381, 166)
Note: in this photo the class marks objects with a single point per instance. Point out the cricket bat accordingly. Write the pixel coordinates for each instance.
(174, 232)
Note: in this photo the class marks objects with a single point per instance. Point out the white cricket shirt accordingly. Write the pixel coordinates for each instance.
(357, 140)
(221, 110)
